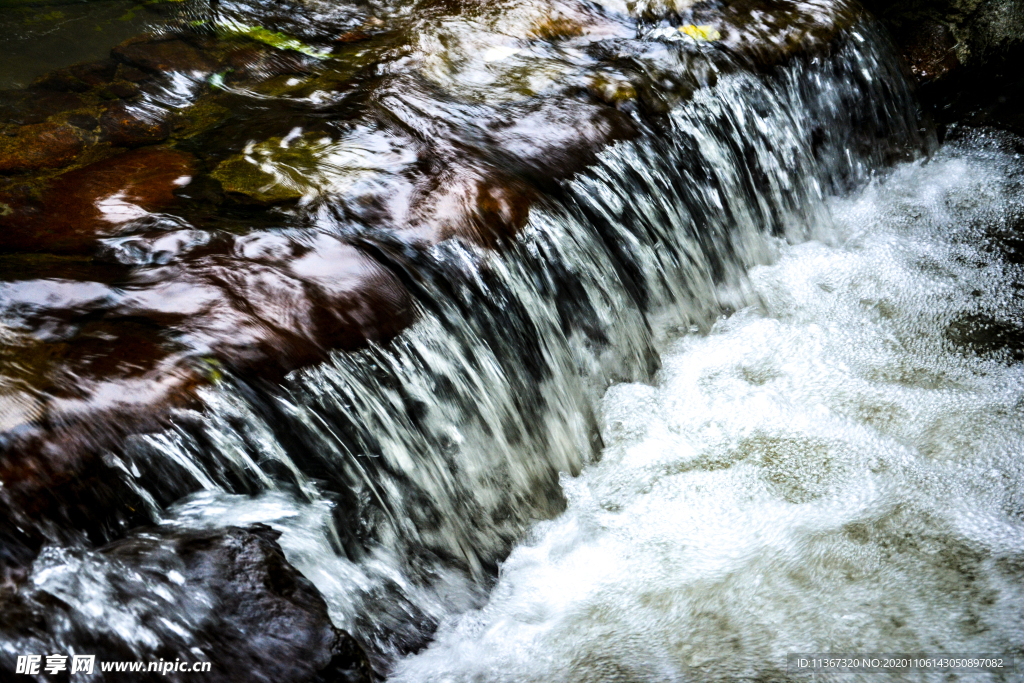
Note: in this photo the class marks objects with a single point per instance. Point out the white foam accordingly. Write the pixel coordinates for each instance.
(837, 469)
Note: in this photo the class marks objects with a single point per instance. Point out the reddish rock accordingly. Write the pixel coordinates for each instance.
(352, 37)
(60, 80)
(159, 55)
(122, 360)
(273, 303)
(124, 125)
(77, 78)
(46, 145)
(129, 73)
(51, 467)
(484, 209)
(93, 201)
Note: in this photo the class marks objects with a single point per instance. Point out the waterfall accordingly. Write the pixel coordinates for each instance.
(402, 475)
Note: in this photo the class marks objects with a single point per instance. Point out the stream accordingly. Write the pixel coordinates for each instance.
(745, 380)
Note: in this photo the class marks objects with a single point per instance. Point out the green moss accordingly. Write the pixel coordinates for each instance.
(198, 118)
(265, 36)
(612, 90)
(269, 173)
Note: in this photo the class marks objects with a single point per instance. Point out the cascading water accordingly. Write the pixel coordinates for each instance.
(834, 469)
(797, 463)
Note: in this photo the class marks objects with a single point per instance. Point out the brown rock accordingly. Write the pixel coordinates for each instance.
(77, 78)
(22, 107)
(129, 73)
(120, 90)
(479, 207)
(124, 125)
(61, 80)
(46, 145)
(159, 55)
(273, 303)
(93, 201)
(95, 73)
(84, 382)
(54, 478)
(352, 37)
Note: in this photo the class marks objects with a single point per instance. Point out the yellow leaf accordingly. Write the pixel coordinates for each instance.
(700, 32)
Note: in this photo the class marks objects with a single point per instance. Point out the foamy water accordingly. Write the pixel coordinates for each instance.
(837, 468)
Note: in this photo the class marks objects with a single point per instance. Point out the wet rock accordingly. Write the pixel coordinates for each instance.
(352, 37)
(930, 49)
(160, 55)
(77, 78)
(124, 125)
(255, 63)
(35, 147)
(477, 206)
(311, 166)
(95, 73)
(228, 597)
(93, 385)
(984, 32)
(274, 302)
(93, 201)
(612, 91)
(556, 138)
(21, 107)
(966, 55)
(204, 116)
(125, 72)
(61, 80)
(83, 121)
(269, 174)
(104, 363)
(81, 383)
(119, 90)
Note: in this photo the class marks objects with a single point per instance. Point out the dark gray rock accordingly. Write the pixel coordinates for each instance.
(228, 597)
(982, 31)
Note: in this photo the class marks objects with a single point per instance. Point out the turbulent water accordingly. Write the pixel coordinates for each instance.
(835, 468)
(451, 442)
(750, 385)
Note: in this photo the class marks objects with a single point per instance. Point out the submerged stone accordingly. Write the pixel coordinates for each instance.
(94, 201)
(161, 54)
(266, 177)
(124, 125)
(35, 147)
(22, 107)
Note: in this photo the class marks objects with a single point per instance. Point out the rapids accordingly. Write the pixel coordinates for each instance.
(451, 442)
(749, 384)
(833, 468)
